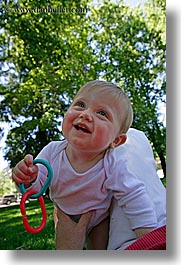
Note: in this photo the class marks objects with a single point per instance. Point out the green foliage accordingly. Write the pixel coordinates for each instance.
(48, 56)
(7, 186)
(45, 55)
(131, 50)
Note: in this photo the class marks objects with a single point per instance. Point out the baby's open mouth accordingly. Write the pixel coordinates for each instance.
(81, 128)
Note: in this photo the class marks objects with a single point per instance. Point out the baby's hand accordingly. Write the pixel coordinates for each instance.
(25, 172)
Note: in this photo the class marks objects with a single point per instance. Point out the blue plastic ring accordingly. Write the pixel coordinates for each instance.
(47, 182)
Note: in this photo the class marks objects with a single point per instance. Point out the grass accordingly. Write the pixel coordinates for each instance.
(13, 234)
(164, 181)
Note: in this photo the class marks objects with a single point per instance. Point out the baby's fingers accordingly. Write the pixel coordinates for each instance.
(19, 177)
(28, 159)
(31, 169)
(25, 171)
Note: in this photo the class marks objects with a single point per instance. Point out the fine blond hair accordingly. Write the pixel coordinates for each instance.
(125, 110)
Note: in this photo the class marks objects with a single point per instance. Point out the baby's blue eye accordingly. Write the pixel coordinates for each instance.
(80, 104)
(102, 113)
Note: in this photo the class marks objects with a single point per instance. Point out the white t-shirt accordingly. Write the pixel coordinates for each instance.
(76, 193)
(141, 162)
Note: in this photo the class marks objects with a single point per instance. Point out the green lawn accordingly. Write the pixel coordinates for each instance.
(164, 181)
(13, 234)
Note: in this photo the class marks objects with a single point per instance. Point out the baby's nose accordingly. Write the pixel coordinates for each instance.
(86, 115)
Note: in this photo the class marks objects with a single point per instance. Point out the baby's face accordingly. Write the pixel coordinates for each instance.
(92, 122)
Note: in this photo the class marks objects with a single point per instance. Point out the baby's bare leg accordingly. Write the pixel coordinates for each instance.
(70, 233)
(98, 237)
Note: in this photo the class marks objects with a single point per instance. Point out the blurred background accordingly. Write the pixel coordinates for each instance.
(49, 49)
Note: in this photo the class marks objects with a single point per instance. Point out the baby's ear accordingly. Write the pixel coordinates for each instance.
(119, 140)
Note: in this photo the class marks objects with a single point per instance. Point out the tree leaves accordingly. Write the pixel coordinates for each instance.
(48, 56)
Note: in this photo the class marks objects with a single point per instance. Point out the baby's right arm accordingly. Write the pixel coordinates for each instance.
(25, 172)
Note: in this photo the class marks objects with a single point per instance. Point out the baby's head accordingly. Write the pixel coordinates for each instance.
(98, 118)
(117, 97)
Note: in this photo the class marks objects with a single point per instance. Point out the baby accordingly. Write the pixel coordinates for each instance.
(87, 172)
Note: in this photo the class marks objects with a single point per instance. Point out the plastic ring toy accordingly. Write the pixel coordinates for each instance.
(47, 182)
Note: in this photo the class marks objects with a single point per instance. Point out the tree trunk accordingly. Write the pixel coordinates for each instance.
(163, 163)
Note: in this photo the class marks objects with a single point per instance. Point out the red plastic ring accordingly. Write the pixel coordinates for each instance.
(33, 230)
